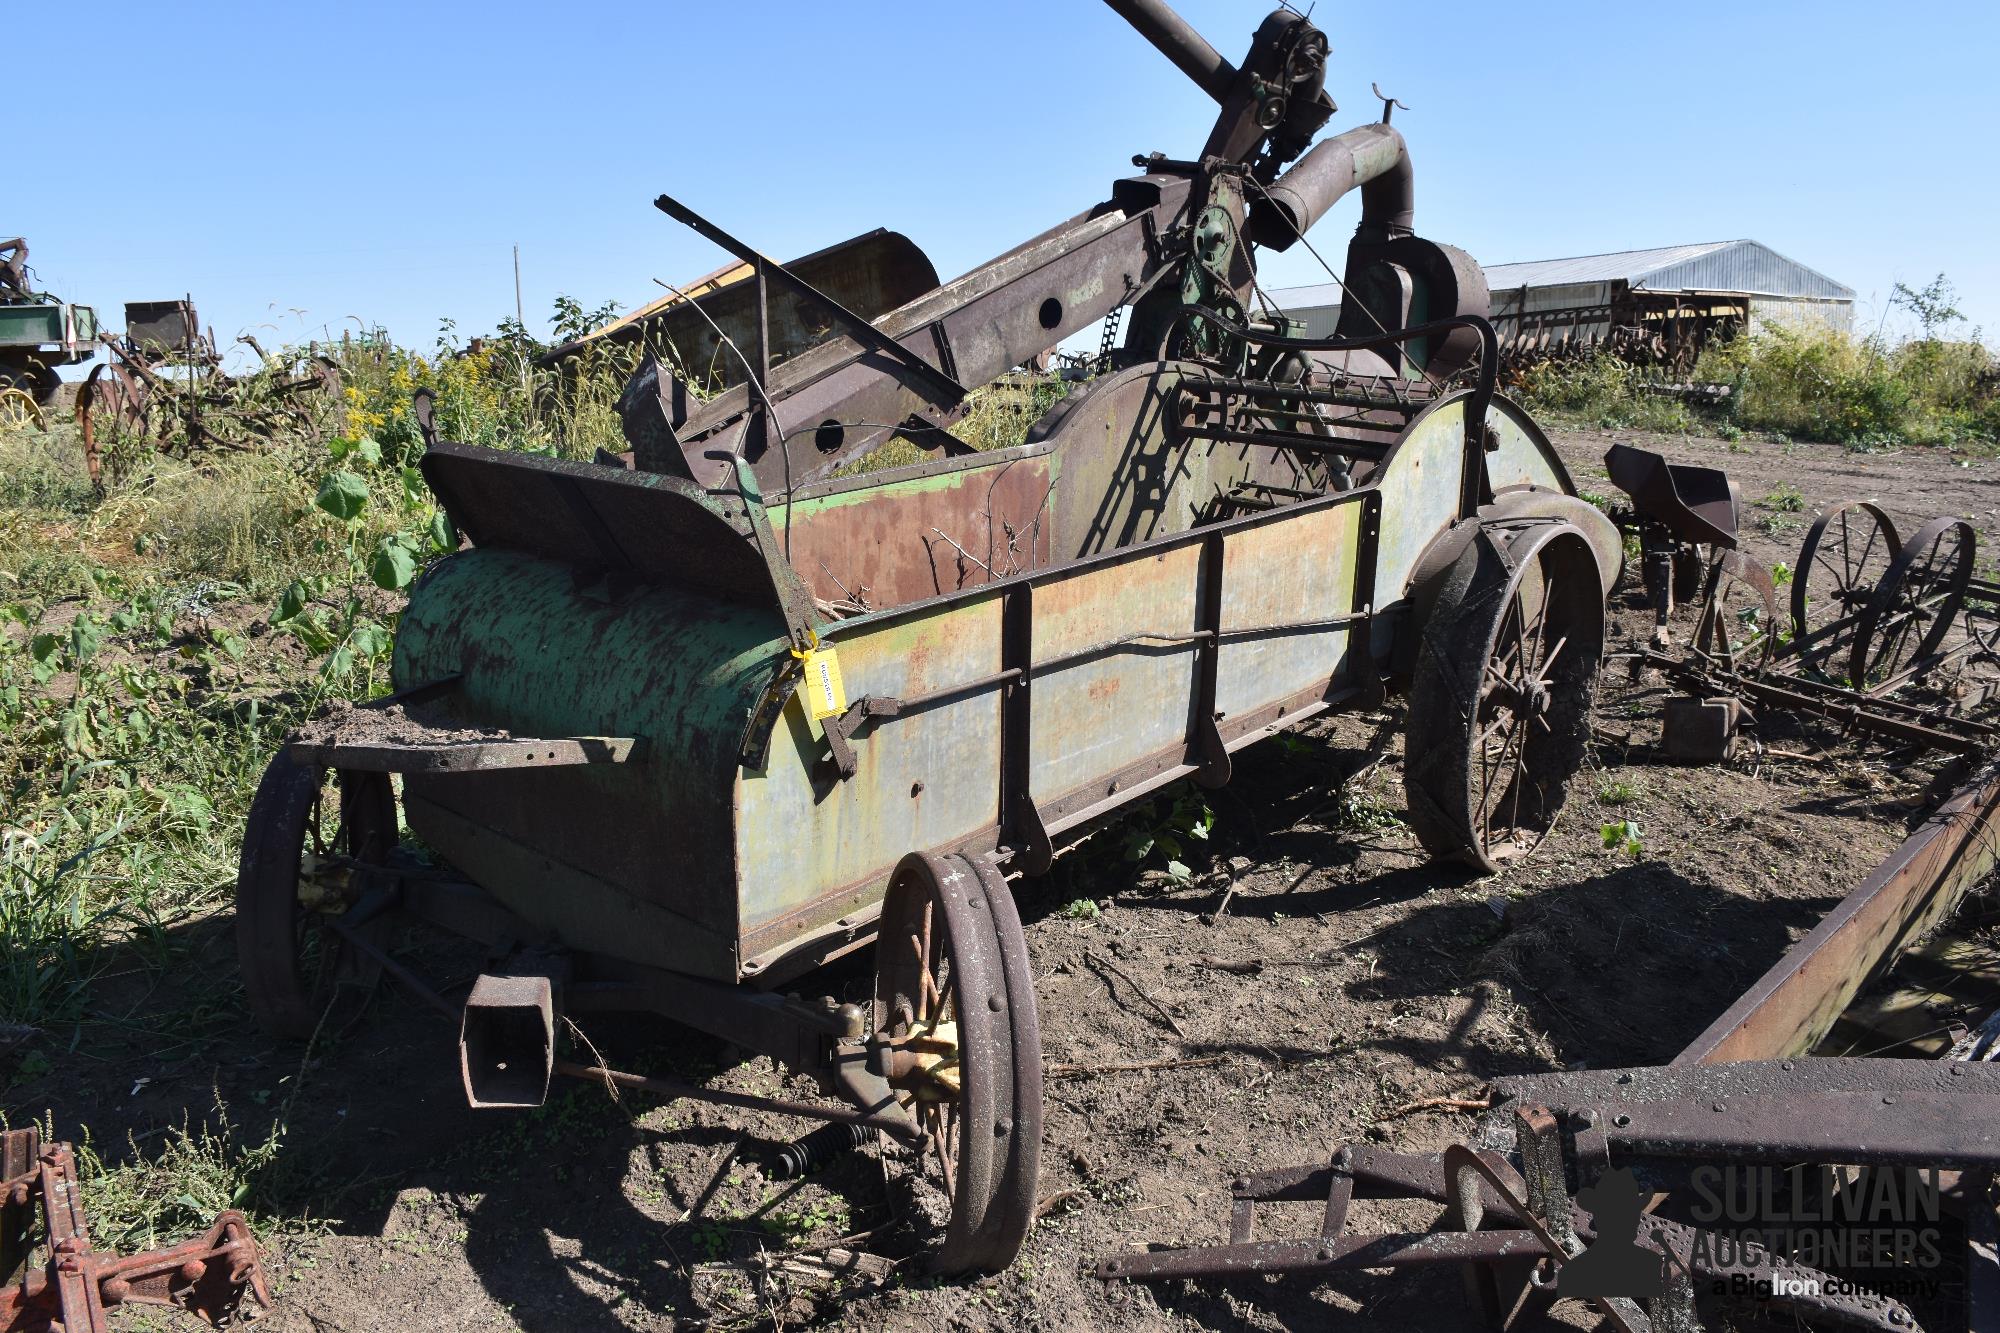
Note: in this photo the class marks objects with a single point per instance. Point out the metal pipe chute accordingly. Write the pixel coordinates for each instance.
(1373, 157)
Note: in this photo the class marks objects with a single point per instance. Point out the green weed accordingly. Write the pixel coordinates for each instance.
(1623, 835)
(1786, 499)
(145, 1202)
(1619, 791)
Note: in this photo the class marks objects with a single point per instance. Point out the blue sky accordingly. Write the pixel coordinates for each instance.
(376, 163)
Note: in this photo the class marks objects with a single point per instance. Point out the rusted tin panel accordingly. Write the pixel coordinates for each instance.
(1285, 573)
(1523, 456)
(923, 532)
(1125, 479)
(1098, 714)
(1420, 485)
(497, 846)
(926, 779)
(870, 274)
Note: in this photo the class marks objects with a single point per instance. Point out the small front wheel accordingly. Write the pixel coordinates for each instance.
(308, 831)
(1500, 699)
(955, 1016)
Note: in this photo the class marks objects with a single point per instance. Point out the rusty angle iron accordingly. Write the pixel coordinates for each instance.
(217, 1276)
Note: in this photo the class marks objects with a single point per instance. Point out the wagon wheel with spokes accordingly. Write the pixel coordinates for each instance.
(19, 410)
(309, 834)
(1739, 614)
(1847, 551)
(961, 1048)
(1913, 608)
(1500, 697)
(111, 403)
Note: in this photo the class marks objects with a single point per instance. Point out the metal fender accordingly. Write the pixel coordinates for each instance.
(1518, 524)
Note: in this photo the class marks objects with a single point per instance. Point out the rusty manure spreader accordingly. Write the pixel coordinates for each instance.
(679, 727)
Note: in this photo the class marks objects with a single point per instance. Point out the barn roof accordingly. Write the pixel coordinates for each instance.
(1712, 266)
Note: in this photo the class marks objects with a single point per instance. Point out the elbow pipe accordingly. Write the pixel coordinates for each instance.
(1373, 157)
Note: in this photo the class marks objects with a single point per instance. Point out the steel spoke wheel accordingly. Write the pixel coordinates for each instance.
(1739, 614)
(962, 1049)
(307, 832)
(1500, 698)
(1914, 607)
(1847, 551)
(19, 410)
(110, 407)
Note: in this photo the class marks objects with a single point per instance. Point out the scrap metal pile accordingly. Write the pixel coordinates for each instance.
(163, 387)
(58, 1282)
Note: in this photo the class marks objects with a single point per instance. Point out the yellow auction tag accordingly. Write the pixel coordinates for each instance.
(821, 689)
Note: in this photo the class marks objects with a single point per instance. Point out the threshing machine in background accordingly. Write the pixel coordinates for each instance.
(678, 728)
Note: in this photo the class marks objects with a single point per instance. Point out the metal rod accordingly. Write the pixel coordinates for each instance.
(948, 390)
(611, 1079)
(1390, 402)
(405, 978)
(1325, 444)
(1176, 39)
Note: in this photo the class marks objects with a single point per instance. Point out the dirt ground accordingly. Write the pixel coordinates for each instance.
(1382, 982)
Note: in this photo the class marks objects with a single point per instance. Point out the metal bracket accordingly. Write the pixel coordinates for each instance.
(1389, 104)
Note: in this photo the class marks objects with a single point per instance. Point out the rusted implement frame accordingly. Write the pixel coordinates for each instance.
(1679, 510)
(216, 1276)
(124, 392)
(758, 831)
(1563, 1131)
(1869, 714)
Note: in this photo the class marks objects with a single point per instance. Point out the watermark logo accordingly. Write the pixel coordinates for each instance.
(1754, 1222)
(1881, 1224)
(1614, 1265)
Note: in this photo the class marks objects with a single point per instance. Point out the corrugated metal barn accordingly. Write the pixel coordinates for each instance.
(1665, 303)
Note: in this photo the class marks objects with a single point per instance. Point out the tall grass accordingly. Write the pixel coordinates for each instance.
(1828, 386)
(158, 638)
(1805, 384)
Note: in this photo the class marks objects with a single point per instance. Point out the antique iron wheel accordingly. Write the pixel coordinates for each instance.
(111, 403)
(961, 1048)
(1739, 614)
(308, 830)
(1913, 608)
(1500, 698)
(1847, 551)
